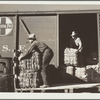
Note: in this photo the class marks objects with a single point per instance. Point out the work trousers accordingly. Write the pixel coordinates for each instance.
(46, 58)
(80, 59)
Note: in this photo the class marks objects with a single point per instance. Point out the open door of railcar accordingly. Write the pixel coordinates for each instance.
(86, 25)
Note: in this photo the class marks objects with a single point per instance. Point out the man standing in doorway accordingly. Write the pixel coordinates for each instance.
(76, 43)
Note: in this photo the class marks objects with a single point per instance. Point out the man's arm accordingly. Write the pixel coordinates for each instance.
(80, 45)
(28, 51)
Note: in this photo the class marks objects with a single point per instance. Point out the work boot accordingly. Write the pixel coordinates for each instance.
(44, 86)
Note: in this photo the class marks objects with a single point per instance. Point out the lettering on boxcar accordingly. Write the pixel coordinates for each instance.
(7, 48)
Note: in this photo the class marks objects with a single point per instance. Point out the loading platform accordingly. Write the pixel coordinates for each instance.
(66, 88)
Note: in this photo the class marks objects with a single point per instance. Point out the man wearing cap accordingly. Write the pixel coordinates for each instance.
(45, 51)
(76, 43)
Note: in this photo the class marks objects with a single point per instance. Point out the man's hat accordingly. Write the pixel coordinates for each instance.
(32, 36)
(74, 33)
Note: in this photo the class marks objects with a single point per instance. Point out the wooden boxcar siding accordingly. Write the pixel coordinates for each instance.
(45, 28)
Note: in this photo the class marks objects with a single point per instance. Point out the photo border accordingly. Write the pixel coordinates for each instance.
(53, 96)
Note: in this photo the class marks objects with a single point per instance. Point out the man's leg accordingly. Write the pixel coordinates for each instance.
(47, 56)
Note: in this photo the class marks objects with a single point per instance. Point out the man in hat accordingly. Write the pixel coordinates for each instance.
(75, 42)
(45, 51)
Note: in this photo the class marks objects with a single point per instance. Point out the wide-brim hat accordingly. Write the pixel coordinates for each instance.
(32, 36)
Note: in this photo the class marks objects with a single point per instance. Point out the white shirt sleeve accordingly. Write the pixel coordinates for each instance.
(79, 44)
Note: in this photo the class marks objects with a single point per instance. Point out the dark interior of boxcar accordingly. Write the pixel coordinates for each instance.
(86, 26)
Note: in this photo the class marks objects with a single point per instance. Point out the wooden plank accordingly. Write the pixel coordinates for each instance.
(70, 86)
(67, 88)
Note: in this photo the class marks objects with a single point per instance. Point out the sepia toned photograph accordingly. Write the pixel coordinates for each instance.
(49, 48)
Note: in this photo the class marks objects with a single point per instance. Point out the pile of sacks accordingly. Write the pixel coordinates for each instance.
(29, 76)
(93, 73)
(70, 57)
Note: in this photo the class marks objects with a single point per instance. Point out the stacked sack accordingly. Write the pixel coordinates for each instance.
(70, 57)
(93, 73)
(29, 76)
